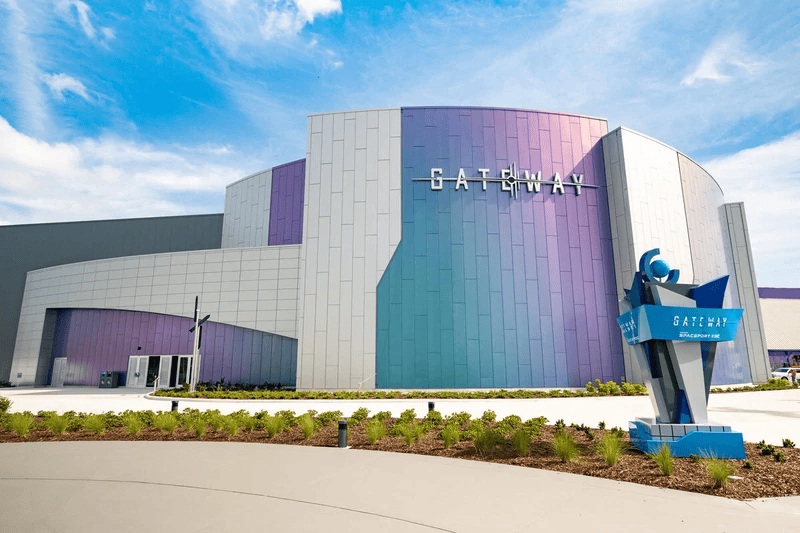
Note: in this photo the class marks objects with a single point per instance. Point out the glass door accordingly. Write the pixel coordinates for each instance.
(184, 369)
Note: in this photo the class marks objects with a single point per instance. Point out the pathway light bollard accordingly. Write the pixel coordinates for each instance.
(342, 433)
(175, 406)
(430, 406)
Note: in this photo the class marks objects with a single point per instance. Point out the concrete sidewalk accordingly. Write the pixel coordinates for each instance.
(162, 486)
(769, 415)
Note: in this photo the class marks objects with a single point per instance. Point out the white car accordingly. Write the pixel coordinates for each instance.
(784, 373)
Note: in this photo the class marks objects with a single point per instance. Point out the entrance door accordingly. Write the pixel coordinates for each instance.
(137, 371)
(164, 371)
(184, 369)
(59, 372)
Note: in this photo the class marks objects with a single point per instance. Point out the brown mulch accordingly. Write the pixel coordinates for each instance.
(767, 477)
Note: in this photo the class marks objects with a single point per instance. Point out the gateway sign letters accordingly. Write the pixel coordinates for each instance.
(510, 181)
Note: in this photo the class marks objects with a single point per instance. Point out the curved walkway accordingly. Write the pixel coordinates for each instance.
(163, 486)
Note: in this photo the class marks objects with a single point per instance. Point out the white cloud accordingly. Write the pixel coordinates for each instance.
(107, 178)
(767, 179)
(84, 13)
(61, 83)
(22, 74)
(722, 62)
(236, 23)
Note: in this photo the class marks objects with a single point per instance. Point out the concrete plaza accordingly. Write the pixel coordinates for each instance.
(185, 486)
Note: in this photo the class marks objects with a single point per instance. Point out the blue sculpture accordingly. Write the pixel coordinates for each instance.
(674, 330)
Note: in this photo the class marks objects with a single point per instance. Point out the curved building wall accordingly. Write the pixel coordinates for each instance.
(659, 198)
(95, 340)
(252, 288)
(487, 290)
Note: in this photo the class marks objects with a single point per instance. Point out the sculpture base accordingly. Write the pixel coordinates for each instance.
(684, 440)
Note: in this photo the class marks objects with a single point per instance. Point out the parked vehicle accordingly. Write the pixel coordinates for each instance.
(785, 373)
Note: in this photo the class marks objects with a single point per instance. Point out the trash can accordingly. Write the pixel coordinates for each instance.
(109, 380)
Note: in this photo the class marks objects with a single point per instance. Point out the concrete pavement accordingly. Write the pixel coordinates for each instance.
(162, 486)
(140, 486)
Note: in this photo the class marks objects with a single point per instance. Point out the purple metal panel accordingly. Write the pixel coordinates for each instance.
(286, 203)
(778, 293)
(95, 340)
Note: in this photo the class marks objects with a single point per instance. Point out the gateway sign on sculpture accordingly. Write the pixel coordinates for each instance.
(510, 180)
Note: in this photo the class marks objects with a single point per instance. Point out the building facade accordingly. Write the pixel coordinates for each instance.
(420, 247)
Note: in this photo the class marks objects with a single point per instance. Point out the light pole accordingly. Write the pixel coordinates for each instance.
(198, 331)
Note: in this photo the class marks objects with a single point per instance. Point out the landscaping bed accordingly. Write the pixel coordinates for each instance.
(509, 441)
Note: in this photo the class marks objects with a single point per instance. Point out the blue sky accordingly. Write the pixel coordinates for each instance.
(130, 108)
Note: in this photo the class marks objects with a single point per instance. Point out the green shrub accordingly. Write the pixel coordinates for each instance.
(521, 441)
(788, 443)
(488, 440)
(619, 432)
(564, 447)
(590, 388)
(719, 471)
(359, 415)
(307, 425)
(450, 435)
(488, 416)
(664, 460)
(5, 404)
(535, 425)
(133, 423)
(147, 417)
(382, 415)
(460, 419)
(748, 464)
(510, 423)
(434, 418)
(375, 430)
(20, 422)
(247, 422)
(166, 422)
(323, 419)
(408, 416)
(779, 457)
(767, 449)
(95, 424)
(476, 427)
(288, 418)
(695, 458)
(57, 424)
(601, 425)
(112, 419)
(560, 425)
(610, 449)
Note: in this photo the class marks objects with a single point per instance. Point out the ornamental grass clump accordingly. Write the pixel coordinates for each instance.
(307, 425)
(719, 471)
(450, 435)
(133, 423)
(488, 440)
(166, 422)
(230, 424)
(20, 422)
(96, 424)
(521, 441)
(410, 431)
(664, 460)
(564, 447)
(5, 404)
(56, 424)
(610, 449)
(375, 430)
(198, 426)
(273, 425)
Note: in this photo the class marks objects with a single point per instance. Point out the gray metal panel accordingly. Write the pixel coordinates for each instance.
(34, 246)
(752, 320)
